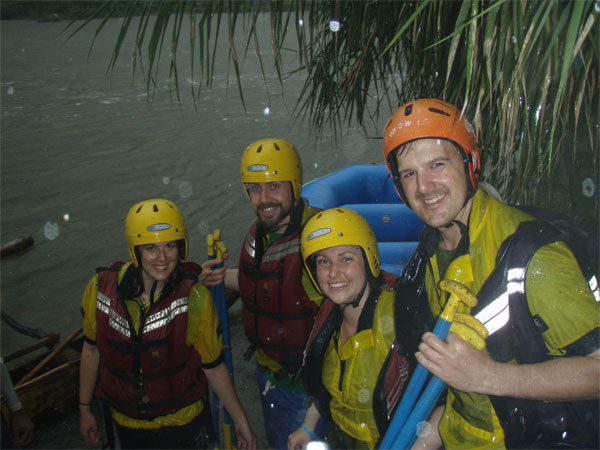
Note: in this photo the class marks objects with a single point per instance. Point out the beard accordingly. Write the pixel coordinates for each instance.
(272, 222)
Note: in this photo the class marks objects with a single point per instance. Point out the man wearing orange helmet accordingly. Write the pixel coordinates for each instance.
(536, 384)
(279, 300)
(152, 342)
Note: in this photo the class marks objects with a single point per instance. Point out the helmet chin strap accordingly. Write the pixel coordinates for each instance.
(152, 291)
(458, 223)
(356, 301)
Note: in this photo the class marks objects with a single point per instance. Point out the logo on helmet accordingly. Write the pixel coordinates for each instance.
(318, 233)
(258, 168)
(158, 227)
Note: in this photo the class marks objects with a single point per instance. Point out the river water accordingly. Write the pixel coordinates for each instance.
(79, 147)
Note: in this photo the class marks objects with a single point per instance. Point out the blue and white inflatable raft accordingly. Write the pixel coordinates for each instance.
(369, 190)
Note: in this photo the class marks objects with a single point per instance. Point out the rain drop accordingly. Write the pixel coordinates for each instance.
(334, 25)
(66, 217)
(588, 187)
(203, 228)
(266, 111)
(423, 428)
(185, 189)
(363, 395)
(166, 180)
(11, 90)
(50, 230)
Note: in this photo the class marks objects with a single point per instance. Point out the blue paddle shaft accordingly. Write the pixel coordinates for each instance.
(412, 392)
(218, 295)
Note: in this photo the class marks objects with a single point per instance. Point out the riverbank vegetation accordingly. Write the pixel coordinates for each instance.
(525, 71)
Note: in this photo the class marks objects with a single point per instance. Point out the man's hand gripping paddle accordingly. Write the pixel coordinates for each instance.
(402, 431)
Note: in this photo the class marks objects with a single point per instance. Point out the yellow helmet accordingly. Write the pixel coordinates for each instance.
(151, 221)
(338, 226)
(269, 160)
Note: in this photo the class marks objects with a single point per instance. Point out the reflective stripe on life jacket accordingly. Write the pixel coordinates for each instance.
(277, 313)
(151, 372)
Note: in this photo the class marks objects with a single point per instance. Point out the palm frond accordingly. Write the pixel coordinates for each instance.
(526, 72)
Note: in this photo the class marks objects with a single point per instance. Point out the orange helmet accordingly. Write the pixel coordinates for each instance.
(429, 118)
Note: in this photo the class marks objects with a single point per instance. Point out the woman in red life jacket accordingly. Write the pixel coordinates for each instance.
(152, 341)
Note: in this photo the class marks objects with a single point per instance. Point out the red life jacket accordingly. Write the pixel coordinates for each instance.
(277, 313)
(154, 372)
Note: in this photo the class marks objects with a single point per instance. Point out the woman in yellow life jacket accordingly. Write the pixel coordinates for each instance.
(152, 341)
(350, 349)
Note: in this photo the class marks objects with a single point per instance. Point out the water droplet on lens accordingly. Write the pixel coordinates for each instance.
(203, 228)
(50, 230)
(266, 111)
(185, 189)
(588, 187)
(66, 217)
(363, 395)
(334, 25)
(166, 180)
(423, 429)
(11, 90)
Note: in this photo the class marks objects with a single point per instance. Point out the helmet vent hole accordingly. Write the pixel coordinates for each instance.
(439, 111)
(408, 110)
(155, 208)
(276, 146)
(340, 233)
(139, 209)
(259, 149)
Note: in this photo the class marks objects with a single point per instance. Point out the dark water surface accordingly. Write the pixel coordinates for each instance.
(78, 148)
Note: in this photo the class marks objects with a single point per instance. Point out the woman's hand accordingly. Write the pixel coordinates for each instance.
(299, 439)
(88, 425)
(22, 427)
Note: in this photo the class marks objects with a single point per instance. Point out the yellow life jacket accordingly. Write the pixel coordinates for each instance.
(351, 377)
(490, 223)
